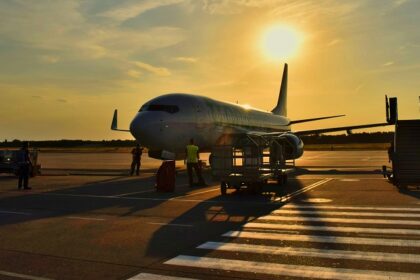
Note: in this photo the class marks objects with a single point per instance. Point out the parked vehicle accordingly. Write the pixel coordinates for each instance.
(9, 164)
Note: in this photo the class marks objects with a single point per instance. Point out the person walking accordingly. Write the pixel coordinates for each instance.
(24, 165)
(136, 162)
(192, 158)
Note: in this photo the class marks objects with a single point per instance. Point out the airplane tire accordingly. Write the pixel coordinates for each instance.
(223, 188)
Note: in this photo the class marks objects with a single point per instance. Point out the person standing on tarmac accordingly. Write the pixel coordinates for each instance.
(136, 163)
(192, 158)
(24, 164)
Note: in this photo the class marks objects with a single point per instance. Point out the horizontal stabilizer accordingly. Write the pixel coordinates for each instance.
(114, 124)
(334, 129)
(315, 119)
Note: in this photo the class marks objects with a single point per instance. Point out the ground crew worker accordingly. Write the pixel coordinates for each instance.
(136, 163)
(24, 165)
(192, 158)
(391, 152)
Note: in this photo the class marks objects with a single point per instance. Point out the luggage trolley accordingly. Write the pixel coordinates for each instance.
(249, 161)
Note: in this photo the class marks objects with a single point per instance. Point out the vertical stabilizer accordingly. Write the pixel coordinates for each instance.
(281, 108)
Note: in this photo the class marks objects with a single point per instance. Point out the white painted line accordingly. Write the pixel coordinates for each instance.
(362, 208)
(22, 276)
(316, 272)
(210, 201)
(130, 193)
(85, 218)
(312, 252)
(305, 189)
(349, 180)
(149, 276)
(195, 193)
(174, 225)
(333, 229)
(16, 213)
(324, 239)
(340, 220)
(342, 213)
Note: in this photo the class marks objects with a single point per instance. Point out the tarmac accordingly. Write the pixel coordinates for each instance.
(85, 218)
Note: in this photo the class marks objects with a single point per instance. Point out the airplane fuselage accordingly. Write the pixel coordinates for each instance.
(166, 123)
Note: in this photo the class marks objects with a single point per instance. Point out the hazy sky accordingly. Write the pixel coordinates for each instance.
(65, 65)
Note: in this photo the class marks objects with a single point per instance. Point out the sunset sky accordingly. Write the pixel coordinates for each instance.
(66, 65)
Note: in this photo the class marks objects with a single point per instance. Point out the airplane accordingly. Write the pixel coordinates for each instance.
(165, 124)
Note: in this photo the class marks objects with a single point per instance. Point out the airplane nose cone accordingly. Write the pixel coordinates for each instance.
(145, 129)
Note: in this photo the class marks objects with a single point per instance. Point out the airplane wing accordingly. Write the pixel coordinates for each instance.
(334, 129)
(348, 129)
(315, 119)
(114, 124)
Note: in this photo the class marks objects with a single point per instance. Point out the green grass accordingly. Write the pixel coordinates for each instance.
(347, 147)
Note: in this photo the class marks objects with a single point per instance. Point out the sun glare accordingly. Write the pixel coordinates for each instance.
(280, 42)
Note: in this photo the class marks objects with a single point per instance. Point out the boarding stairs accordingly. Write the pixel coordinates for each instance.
(406, 158)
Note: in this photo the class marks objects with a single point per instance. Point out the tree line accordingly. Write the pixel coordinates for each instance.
(376, 137)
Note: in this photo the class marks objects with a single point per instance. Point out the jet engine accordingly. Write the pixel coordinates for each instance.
(293, 145)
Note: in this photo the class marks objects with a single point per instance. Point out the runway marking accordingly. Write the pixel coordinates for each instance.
(288, 270)
(333, 229)
(339, 220)
(301, 206)
(130, 193)
(316, 200)
(149, 276)
(174, 225)
(324, 239)
(23, 276)
(194, 193)
(364, 214)
(305, 189)
(349, 180)
(85, 218)
(159, 199)
(312, 252)
(16, 213)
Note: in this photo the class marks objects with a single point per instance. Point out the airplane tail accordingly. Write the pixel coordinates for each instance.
(281, 108)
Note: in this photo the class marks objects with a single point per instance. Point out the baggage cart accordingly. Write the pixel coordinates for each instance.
(249, 161)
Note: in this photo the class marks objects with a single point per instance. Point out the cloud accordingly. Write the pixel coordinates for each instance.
(281, 7)
(135, 8)
(134, 73)
(36, 96)
(389, 63)
(51, 59)
(186, 59)
(61, 100)
(333, 42)
(159, 71)
(398, 3)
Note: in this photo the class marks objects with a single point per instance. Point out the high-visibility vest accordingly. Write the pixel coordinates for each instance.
(192, 151)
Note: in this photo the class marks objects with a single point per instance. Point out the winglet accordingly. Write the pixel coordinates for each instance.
(114, 124)
(281, 108)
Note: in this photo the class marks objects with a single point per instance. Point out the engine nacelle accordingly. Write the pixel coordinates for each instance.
(293, 146)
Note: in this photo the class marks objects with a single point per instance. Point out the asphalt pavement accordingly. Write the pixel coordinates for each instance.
(336, 218)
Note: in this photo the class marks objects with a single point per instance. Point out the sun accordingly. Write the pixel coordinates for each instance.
(281, 42)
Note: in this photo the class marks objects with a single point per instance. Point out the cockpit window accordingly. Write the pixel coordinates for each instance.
(172, 109)
(143, 108)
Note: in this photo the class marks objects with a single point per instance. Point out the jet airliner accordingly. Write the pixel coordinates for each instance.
(165, 124)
